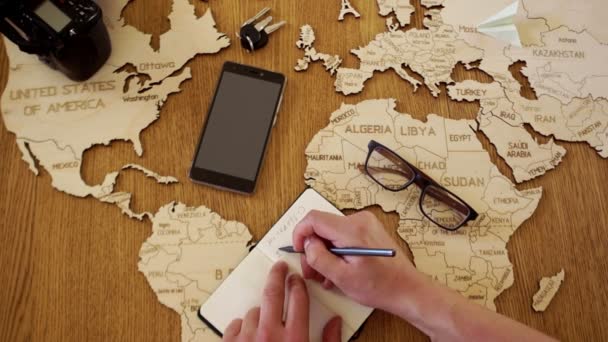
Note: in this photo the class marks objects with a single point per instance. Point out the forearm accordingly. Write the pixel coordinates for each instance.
(443, 314)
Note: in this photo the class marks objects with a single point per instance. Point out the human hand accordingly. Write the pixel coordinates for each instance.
(266, 324)
(371, 281)
(394, 284)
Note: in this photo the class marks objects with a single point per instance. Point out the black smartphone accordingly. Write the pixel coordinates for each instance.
(233, 141)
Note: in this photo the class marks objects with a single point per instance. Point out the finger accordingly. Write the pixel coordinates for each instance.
(333, 330)
(323, 261)
(309, 272)
(232, 330)
(297, 309)
(327, 226)
(273, 297)
(250, 323)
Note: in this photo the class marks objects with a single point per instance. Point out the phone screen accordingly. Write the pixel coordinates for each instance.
(238, 124)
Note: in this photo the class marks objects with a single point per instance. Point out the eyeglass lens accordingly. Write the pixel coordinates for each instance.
(443, 208)
(388, 170)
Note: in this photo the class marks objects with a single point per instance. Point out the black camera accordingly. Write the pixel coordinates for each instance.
(68, 35)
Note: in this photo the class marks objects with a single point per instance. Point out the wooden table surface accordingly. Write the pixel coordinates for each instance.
(69, 265)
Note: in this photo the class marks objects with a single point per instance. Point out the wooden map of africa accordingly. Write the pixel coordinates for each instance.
(472, 260)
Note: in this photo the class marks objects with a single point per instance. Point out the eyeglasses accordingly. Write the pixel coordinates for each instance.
(437, 203)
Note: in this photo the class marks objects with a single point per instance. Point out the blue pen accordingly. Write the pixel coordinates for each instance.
(353, 251)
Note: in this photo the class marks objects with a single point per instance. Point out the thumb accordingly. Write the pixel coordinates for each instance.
(333, 330)
(321, 259)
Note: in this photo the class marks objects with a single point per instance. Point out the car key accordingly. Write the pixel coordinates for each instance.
(248, 34)
(255, 35)
(252, 38)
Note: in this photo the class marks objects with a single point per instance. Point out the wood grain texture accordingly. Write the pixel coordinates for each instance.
(69, 265)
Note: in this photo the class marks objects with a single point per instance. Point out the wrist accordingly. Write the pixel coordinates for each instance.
(424, 304)
(408, 294)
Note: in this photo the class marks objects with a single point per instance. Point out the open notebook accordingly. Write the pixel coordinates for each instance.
(242, 290)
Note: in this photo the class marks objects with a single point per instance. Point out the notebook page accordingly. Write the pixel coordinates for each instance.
(242, 290)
